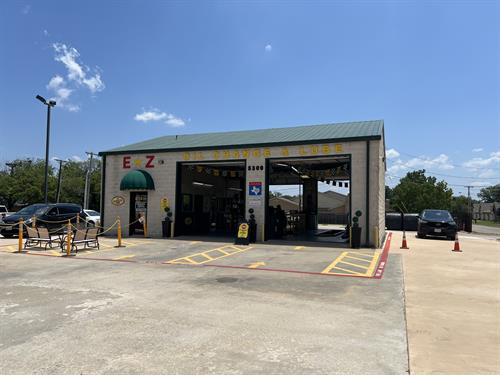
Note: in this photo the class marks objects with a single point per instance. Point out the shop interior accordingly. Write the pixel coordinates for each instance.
(308, 199)
(210, 198)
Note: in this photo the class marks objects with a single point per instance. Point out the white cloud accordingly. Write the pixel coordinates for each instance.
(26, 9)
(55, 82)
(156, 115)
(476, 163)
(153, 115)
(175, 122)
(441, 162)
(392, 154)
(77, 75)
(268, 48)
(76, 158)
(45, 32)
(479, 149)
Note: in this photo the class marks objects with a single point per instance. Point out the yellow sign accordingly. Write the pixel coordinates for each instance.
(243, 230)
(164, 203)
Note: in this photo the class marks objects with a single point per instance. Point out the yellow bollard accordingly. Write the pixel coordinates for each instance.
(20, 236)
(68, 239)
(119, 232)
(33, 222)
(145, 227)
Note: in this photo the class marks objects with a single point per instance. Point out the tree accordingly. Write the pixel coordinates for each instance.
(416, 192)
(490, 194)
(23, 183)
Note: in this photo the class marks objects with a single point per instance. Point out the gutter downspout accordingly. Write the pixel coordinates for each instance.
(367, 219)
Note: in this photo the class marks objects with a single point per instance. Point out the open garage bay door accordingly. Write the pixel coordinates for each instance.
(308, 199)
(210, 198)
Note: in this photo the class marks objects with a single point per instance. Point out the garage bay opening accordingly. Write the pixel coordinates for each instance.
(309, 199)
(210, 198)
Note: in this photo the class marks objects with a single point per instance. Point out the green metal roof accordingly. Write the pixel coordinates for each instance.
(137, 180)
(345, 131)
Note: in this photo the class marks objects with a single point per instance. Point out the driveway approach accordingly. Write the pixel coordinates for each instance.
(139, 314)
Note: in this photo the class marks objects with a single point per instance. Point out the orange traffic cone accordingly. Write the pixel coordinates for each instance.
(404, 244)
(457, 244)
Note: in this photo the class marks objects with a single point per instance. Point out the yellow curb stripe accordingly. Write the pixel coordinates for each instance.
(124, 257)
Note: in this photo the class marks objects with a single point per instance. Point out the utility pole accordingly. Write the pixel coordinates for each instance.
(87, 180)
(469, 204)
(59, 179)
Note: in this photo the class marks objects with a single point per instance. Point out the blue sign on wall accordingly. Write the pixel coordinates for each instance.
(255, 188)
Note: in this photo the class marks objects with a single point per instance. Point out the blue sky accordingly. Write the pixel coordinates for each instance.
(125, 71)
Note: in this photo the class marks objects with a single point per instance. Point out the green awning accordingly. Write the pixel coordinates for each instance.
(137, 180)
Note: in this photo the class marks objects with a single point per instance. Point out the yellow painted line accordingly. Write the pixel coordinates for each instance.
(190, 259)
(256, 264)
(363, 260)
(194, 242)
(353, 264)
(298, 248)
(124, 257)
(55, 253)
(349, 271)
(12, 248)
(371, 267)
(334, 263)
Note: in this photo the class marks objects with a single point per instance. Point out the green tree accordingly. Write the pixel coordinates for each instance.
(416, 192)
(22, 183)
(490, 194)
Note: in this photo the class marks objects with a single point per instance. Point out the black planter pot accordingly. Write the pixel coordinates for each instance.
(355, 237)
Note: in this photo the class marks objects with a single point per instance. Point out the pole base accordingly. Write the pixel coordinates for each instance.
(120, 246)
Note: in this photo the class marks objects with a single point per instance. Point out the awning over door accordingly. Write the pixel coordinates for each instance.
(137, 180)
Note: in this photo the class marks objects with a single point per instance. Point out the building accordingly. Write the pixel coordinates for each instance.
(210, 181)
(486, 211)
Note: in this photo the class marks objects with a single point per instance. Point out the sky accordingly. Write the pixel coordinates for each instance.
(126, 71)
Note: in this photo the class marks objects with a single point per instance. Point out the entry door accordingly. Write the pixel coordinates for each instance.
(138, 212)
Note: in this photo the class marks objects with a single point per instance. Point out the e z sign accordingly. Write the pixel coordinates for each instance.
(146, 161)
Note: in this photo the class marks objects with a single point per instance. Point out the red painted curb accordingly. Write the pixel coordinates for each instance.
(379, 272)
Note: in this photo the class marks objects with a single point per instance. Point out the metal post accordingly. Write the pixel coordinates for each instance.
(87, 181)
(59, 180)
(46, 183)
(20, 236)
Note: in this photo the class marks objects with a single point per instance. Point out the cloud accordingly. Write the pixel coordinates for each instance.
(26, 9)
(392, 154)
(77, 75)
(476, 163)
(479, 149)
(156, 115)
(45, 32)
(75, 158)
(268, 48)
(441, 162)
(175, 122)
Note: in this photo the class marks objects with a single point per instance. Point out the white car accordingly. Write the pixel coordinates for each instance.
(93, 217)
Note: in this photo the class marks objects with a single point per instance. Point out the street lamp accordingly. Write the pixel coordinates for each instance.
(49, 104)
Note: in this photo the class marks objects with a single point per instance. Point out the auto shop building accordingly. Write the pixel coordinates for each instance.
(210, 181)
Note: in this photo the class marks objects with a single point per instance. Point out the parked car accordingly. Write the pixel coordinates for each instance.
(3, 211)
(92, 217)
(52, 216)
(436, 223)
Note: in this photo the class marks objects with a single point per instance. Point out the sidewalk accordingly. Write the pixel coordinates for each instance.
(452, 305)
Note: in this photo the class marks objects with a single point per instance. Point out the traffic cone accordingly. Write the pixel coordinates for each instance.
(404, 244)
(457, 244)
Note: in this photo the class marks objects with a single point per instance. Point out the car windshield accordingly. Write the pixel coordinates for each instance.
(437, 215)
(92, 213)
(29, 210)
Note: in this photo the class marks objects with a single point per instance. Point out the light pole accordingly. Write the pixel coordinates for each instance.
(59, 179)
(49, 104)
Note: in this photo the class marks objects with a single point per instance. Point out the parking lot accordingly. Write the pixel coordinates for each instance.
(189, 306)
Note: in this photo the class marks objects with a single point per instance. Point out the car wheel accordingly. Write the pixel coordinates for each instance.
(8, 235)
(420, 235)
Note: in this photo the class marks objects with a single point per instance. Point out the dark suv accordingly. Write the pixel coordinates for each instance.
(436, 223)
(53, 216)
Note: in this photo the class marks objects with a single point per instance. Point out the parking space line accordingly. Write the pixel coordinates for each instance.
(338, 263)
(224, 250)
(125, 257)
